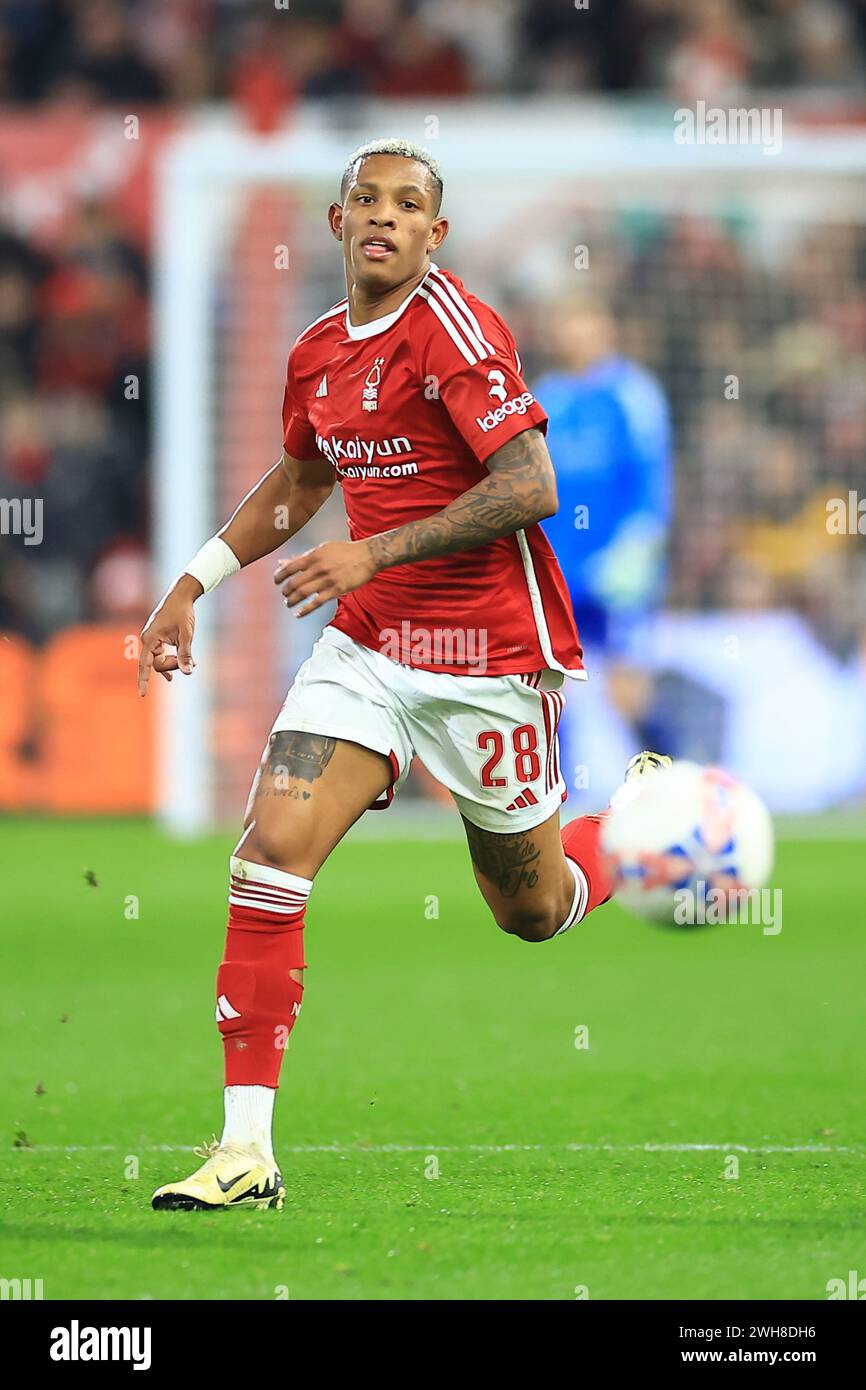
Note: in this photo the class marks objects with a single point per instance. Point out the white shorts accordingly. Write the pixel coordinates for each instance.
(491, 740)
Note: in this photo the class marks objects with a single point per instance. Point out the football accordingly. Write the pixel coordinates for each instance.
(686, 844)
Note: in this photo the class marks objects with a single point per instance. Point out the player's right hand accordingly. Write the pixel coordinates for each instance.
(166, 638)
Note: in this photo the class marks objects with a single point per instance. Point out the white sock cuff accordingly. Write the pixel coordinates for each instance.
(580, 899)
(271, 890)
(249, 1113)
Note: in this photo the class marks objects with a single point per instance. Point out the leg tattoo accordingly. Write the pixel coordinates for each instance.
(297, 757)
(509, 861)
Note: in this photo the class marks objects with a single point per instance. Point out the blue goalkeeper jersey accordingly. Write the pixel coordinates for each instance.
(610, 441)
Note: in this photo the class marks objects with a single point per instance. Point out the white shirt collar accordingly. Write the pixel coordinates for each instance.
(370, 330)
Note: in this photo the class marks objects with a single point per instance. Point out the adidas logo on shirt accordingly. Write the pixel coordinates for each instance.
(323, 386)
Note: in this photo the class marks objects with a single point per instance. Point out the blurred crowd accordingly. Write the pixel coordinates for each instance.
(74, 430)
(195, 50)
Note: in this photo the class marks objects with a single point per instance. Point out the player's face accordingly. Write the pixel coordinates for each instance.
(387, 223)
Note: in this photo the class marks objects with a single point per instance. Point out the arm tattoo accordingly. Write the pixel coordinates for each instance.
(519, 490)
(299, 757)
(509, 861)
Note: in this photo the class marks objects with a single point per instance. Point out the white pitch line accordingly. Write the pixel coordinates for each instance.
(356, 1150)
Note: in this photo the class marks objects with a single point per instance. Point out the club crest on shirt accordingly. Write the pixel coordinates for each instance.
(373, 380)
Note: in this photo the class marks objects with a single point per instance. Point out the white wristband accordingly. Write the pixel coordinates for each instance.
(213, 563)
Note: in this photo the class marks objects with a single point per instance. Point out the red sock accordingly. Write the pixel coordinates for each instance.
(257, 1000)
(581, 840)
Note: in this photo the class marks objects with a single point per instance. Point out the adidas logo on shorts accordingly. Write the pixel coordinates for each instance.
(526, 798)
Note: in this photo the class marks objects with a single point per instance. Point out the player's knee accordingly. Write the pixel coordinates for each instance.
(267, 845)
(535, 923)
(537, 920)
(275, 845)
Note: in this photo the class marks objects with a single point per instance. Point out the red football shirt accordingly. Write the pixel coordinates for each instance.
(407, 409)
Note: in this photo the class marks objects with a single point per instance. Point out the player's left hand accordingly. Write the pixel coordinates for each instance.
(325, 572)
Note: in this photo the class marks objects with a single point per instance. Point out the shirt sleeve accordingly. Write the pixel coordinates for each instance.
(471, 361)
(299, 437)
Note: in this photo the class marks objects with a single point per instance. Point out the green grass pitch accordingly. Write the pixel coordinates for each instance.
(432, 1045)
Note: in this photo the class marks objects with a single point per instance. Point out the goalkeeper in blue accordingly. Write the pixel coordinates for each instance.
(610, 439)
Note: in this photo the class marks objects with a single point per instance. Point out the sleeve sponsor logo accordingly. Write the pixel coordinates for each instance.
(518, 405)
(497, 384)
